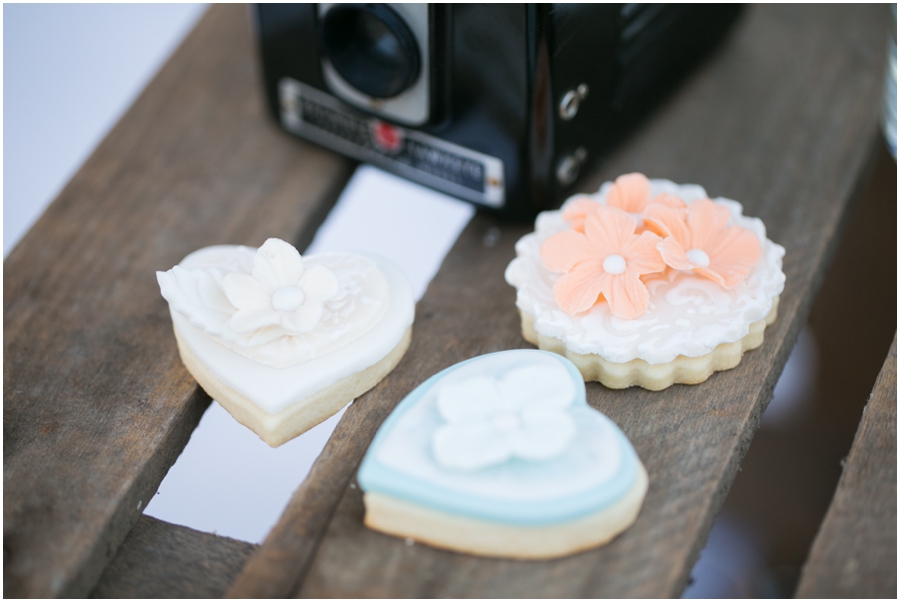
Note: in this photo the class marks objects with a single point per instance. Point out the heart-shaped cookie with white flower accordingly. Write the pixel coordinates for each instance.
(501, 456)
(282, 341)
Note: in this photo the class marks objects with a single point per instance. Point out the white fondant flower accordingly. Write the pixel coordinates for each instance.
(196, 294)
(279, 293)
(521, 414)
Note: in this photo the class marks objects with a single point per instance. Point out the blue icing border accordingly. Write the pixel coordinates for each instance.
(376, 477)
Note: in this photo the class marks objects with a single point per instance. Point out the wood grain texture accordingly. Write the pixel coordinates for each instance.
(855, 552)
(97, 405)
(784, 120)
(161, 560)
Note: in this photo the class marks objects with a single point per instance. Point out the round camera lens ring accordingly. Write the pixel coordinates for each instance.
(371, 47)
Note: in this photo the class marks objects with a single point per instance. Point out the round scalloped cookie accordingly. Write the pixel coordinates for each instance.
(690, 324)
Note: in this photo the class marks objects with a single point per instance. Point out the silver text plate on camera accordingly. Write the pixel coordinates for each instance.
(454, 169)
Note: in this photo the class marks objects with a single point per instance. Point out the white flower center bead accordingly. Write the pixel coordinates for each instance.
(287, 298)
(505, 421)
(614, 264)
(699, 257)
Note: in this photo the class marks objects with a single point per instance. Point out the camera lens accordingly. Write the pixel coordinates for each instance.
(371, 47)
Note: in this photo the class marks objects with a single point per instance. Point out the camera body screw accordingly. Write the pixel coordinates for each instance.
(571, 101)
(569, 167)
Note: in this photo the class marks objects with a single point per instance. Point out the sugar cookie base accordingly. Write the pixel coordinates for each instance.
(484, 538)
(684, 370)
(298, 418)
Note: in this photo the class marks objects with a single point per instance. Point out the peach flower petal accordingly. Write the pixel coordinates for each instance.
(734, 255)
(731, 252)
(706, 220)
(668, 221)
(585, 258)
(642, 256)
(580, 289)
(564, 250)
(736, 245)
(674, 255)
(628, 297)
(669, 200)
(609, 229)
(631, 193)
(577, 210)
(708, 273)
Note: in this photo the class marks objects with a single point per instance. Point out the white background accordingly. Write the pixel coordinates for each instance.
(69, 72)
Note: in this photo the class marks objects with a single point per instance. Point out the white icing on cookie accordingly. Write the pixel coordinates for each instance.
(364, 319)
(687, 314)
(273, 307)
(522, 414)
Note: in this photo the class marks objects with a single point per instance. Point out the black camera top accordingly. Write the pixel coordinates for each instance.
(499, 104)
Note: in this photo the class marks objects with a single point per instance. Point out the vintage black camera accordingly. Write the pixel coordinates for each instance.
(498, 104)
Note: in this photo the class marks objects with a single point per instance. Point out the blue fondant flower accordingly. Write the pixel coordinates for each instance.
(521, 414)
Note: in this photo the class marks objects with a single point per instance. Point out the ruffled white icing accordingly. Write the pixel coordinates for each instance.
(489, 420)
(274, 307)
(363, 322)
(687, 314)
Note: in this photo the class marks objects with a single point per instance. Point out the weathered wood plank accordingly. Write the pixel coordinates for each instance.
(855, 553)
(96, 403)
(783, 119)
(161, 560)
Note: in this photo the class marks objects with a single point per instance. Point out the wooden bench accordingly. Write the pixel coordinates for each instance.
(97, 405)
(855, 552)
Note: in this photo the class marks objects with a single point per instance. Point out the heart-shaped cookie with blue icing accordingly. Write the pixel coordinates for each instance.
(281, 341)
(501, 456)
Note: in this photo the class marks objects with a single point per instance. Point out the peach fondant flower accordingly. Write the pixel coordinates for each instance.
(630, 193)
(577, 209)
(607, 259)
(664, 219)
(699, 238)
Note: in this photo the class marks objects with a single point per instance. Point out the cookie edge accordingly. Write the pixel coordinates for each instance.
(299, 417)
(438, 529)
(655, 377)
